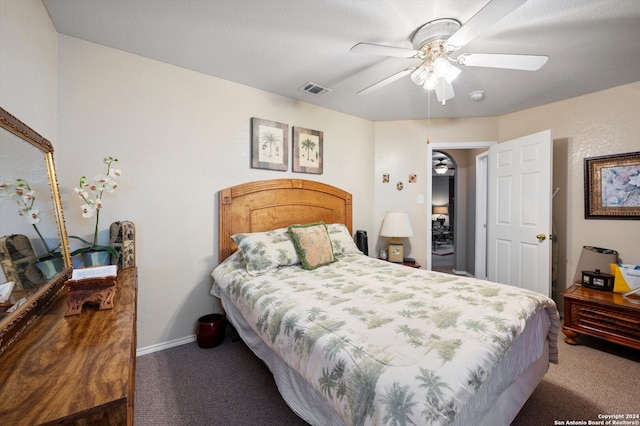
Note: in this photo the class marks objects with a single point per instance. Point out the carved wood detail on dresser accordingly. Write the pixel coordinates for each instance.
(74, 370)
(602, 314)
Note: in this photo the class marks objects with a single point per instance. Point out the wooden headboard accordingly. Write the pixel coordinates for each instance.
(277, 203)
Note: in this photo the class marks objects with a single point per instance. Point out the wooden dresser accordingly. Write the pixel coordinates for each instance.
(74, 370)
(602, 314)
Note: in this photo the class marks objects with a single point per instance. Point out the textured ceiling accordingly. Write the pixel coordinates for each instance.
(279, 45)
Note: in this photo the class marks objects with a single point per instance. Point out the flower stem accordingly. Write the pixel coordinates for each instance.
(95, 231)
(46, 246)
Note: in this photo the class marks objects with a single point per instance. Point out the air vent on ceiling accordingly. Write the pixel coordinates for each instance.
(315, 89)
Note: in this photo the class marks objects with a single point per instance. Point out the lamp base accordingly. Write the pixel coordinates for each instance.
(396, 252)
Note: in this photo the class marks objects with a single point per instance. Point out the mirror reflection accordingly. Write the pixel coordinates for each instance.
(33, 261)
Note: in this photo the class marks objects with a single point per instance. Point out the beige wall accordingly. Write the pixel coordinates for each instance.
(28, 65)
(401, 149)
(181, 136)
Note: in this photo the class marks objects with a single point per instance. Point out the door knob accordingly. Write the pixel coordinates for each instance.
(541, 237)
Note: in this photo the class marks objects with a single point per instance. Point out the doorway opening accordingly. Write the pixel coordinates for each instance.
(464, 155)
(443, 196)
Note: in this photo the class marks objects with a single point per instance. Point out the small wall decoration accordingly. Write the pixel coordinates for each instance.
(413, 178)
(307, 150)
(399, 186)
(612, 187)
(385, 178)
(269, 145)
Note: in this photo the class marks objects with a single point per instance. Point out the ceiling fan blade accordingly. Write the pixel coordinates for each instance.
(382, 83)
(491, 13)
(379, 49)
(444, 91)
(495, 60)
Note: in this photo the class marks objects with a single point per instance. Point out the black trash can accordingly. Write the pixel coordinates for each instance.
(210, 330)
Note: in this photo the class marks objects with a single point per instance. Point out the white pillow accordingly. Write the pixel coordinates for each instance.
(341, 240)
(264, 251)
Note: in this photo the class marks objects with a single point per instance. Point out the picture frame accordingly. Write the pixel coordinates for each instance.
(269, 145)
(612, 187)
(307, 150)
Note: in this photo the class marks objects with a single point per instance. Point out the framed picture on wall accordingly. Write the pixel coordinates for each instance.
(269, 145)
(307, 150)
(612, 187)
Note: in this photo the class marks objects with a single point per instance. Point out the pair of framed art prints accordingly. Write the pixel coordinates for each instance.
(270, 147)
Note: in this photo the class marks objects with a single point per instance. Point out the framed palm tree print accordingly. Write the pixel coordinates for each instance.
(307, 150)
(269, 145)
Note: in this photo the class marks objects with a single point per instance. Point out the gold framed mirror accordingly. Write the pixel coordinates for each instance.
(26, 163)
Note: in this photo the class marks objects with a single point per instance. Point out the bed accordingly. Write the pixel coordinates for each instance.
(353, 340)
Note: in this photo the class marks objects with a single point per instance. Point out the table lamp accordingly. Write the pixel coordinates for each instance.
(395, 225)
(441, 210)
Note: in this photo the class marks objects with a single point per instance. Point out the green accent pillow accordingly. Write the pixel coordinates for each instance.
(313, 244)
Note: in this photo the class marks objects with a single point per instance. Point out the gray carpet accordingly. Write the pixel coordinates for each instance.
(443, 250)
(228, 385)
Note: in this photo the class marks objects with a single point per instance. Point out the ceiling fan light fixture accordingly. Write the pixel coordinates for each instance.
(419, 75)
(452, 73)
(440, 168)
(440, 66)
(431, 82)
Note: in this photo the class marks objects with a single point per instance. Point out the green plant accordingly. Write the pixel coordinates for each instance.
(26, 198)
(91, 195)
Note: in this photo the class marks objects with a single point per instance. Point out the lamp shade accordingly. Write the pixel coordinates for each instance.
(396, 225)
(440, 210)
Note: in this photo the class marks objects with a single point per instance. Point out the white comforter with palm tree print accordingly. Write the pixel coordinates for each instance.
(383, 343)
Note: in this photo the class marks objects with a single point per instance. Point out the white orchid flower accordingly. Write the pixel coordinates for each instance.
(25, 198)
(91, 194)
(87, 210)
(111, 186)
(81, 193)
(33, 216)
(5, 189)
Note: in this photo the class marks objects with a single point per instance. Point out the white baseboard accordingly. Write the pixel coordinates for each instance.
(165, 345)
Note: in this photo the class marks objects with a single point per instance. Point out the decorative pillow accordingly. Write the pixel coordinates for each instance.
(264, 251)
(341, 240)
(312, 244)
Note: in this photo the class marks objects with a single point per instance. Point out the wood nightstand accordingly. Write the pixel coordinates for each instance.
(602, 314)
(411, 265)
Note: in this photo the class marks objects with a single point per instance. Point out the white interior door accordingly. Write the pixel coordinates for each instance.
(519, 213)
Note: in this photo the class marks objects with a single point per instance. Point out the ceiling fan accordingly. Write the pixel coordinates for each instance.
(442, 167)
(436, 41)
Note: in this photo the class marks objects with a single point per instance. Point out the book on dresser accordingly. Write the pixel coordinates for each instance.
(94, 272)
